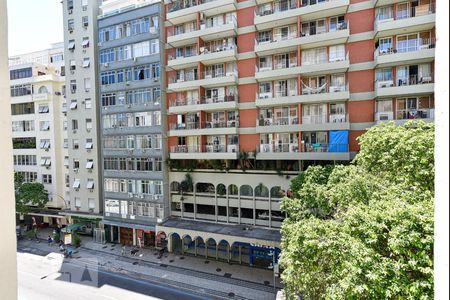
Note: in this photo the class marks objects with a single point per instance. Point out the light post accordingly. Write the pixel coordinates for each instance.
(274, 266)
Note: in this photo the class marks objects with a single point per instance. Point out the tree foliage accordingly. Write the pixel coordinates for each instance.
(364, 231)
(29, 194)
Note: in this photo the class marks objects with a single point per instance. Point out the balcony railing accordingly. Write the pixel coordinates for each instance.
(277, 121)
(420, 10)
(277, 94)
(321, 147)
(205, 125)
(285, 6)
(405, 81)
(307, 90)
(217, 148)
(178, 5)
(199, 76)
(205, 50)
(174, 31)
(410, 46)
(278, 148)
(324, 119)
(323, 60)
(291, 63)
(203, 100)
(326, 29)
(411, 114)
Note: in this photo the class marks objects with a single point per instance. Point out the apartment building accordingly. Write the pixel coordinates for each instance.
(37, 89)
(259, 90)
(80, 42)
(131, 120)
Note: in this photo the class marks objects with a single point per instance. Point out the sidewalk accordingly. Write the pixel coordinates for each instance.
(251, 283)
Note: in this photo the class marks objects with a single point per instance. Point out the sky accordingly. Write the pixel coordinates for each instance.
(33, 25)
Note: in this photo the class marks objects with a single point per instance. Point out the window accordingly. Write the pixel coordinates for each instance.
(46, 161)
(89, 144)
(85, 21)
(73, 104)
(85, 42)
(25, 160)
(89, 164)
(75, 144)
(74, 124)
(20, 73)
(91, 203)
(384, 105)
(71, 45)
(22, 108)
(28, 176)
(76, 164)
(87, 84)
(154, 46)
(88, 103)
(70, 6)
(107, 56)
(46, 178)
(86, 62)
(108, 77)
(56, 57)
(66, 143)
(108, 99)
(77, 201)
(76, 184)
(141, 49)
(337, 53)
(24, 143)
(84, 4)
(44, 125)
(70, 25)
(73, 65)
(88, 124)
(383, 74)
(90, 184)
(23, 126)
(73, 86)
(21, 90)
(44, 144)
(112, 206)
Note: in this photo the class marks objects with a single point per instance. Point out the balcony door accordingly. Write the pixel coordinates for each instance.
(314, 113)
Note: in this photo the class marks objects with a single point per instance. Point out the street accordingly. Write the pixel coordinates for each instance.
(44, 274)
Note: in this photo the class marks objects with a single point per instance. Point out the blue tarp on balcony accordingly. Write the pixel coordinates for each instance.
(338, 141)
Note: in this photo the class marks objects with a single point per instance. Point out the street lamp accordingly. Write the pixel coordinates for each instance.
(274, 265)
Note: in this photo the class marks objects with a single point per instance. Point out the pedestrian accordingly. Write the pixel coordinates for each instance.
(123, 250)
(61, 246)
(49, 240)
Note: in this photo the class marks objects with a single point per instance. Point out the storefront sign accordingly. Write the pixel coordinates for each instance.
(67, 238)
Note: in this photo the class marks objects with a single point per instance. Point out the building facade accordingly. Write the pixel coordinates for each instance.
(80, 43)
(37, 90)
(131, 116)
(259, 90)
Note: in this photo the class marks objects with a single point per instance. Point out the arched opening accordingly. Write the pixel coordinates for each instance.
(176, 242)
(141, 75)
(223, 250)
(161, 239)
(204, 188)
(277, 193)
(246, 191)
(188, 245)
(175, 187)
(221, 191)
(261, 191)
(211, 248)
(200, 246)
(43, 90)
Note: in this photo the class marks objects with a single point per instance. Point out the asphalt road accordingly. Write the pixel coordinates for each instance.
(44, 277)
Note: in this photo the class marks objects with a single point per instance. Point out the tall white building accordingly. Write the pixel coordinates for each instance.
(39, 126)
(80, 43)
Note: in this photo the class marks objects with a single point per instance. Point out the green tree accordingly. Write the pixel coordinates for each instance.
(30, 194)
(364, 231)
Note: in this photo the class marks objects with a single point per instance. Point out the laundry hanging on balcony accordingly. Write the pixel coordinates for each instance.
(310, 90)
(338, 141)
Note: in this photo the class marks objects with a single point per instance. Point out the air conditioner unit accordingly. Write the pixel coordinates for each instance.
(75, 170)
(91, 210)
(77, 189)
(129, 105)
(141, 196)
(135, 59)
(132, 217)
(74, 131)
(130, 195)
(58, 93)
(78, 208)
(90, 170)
(99, 44)
(106, 65)
(127, 83)
(88, 150)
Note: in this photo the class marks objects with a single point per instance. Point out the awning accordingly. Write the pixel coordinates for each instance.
(72, 227)
(128, 225)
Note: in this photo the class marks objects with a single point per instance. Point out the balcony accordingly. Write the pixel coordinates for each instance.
(214, 127)
(209, 80)
(179, 106)
(277, 151)
(206, 32)
(306, 40)
(277, 71)
(322, 151)
(402, 116)
(420, 51)
(280, 15)
(207, 152)
(206, 55)
(419, 18)
(277, 125)
(326, 67)
(413, 85)
(325, 123)
(185, 11)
